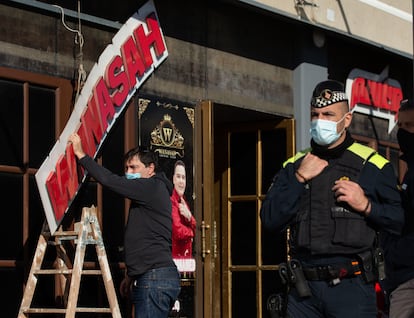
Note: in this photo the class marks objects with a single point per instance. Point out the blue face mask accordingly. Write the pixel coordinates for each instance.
(324, 132)
(132, 175)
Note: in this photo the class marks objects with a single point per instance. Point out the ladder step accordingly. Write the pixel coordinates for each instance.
(93, 310)
(66, 233)
(63, 310)
(88, 233)
(66, 271)
(44, 311)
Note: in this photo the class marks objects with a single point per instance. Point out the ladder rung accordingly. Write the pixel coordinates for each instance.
(63, 310)
(94, 310)
(91, 272)
(66, 233)
(44, 311)
(66, 271)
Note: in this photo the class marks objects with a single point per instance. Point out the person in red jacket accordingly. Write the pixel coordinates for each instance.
(184, 223)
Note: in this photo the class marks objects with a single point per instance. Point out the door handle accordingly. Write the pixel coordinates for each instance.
(204, 228)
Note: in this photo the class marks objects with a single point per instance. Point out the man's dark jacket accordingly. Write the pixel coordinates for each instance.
(399, 250)
(149, 226)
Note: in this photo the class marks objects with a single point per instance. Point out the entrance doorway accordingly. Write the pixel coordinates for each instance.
(239, 258)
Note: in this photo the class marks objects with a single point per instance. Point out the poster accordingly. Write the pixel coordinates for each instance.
(167, 128)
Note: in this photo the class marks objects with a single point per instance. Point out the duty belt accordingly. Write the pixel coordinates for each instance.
(332, 272)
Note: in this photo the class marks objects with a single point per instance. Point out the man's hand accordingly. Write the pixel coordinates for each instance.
(310, 167)
(184, 211)
(351, 193)
(125, 287)
(75, 140)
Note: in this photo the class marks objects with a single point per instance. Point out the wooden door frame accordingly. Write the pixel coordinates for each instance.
(205, 291)
(209, 176)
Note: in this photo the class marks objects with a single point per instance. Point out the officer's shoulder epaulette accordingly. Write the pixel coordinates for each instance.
(297, 156)
(368, 154)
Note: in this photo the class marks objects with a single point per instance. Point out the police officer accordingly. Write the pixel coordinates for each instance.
(334, 197)
(399, 256)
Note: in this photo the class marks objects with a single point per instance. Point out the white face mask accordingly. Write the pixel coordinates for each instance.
(324, 132)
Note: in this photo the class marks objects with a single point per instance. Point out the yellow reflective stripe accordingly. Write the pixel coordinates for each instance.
(360, 150)
(378, 160)
(365, 151)
(298, 155)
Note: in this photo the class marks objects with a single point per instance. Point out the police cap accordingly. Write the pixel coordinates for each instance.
(327, 93)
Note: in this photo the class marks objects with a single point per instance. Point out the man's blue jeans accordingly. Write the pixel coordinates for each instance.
(154, 292)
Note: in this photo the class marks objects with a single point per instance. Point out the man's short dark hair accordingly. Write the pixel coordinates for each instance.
(145, 155)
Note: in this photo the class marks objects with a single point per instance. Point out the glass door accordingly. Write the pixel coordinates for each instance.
(254, 153)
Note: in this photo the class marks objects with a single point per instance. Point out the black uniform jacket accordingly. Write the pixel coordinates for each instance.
(399, 250)
(377, 178)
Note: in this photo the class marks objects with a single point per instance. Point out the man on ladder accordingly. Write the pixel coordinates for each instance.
(148, 257)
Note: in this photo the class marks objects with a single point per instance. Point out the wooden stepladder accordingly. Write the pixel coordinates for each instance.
(86, 232)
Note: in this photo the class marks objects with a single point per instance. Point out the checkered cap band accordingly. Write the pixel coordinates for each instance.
(328, 97)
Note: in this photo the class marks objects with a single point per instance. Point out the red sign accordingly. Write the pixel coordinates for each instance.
(371, 95)
(136, 50)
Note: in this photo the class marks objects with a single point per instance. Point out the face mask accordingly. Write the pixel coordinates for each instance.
(323, 131)
(405, 140)
(132, 175)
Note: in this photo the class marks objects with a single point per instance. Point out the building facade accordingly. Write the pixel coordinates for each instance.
(245, 70)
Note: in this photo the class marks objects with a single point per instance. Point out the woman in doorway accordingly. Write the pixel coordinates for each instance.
(184, 223)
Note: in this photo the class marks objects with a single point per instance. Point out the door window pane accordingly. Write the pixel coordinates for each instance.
(243, 163)
(10, 290)
(41, 135)
(11, 123)
(243, 233)
(36, 215)
(12, 211)
(273, 155)
(244, 294)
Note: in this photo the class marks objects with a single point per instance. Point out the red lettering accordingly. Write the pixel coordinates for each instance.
(359, 93)
(133, 63)
(152, 39)
(62, 184)
(117, 79)
(55, 197)
(91, 128)
(88, 143)
(104, 103)
(379, 95)
(392, 97)
(73, 181)
(67, 175)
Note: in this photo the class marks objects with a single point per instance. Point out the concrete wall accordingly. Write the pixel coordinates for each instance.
(386, 22)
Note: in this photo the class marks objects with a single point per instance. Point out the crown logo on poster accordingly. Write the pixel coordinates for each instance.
(167, 140)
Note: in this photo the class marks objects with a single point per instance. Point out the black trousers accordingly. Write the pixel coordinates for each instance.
(352, 297)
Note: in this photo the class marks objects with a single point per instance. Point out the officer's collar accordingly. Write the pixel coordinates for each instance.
(324, 152)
